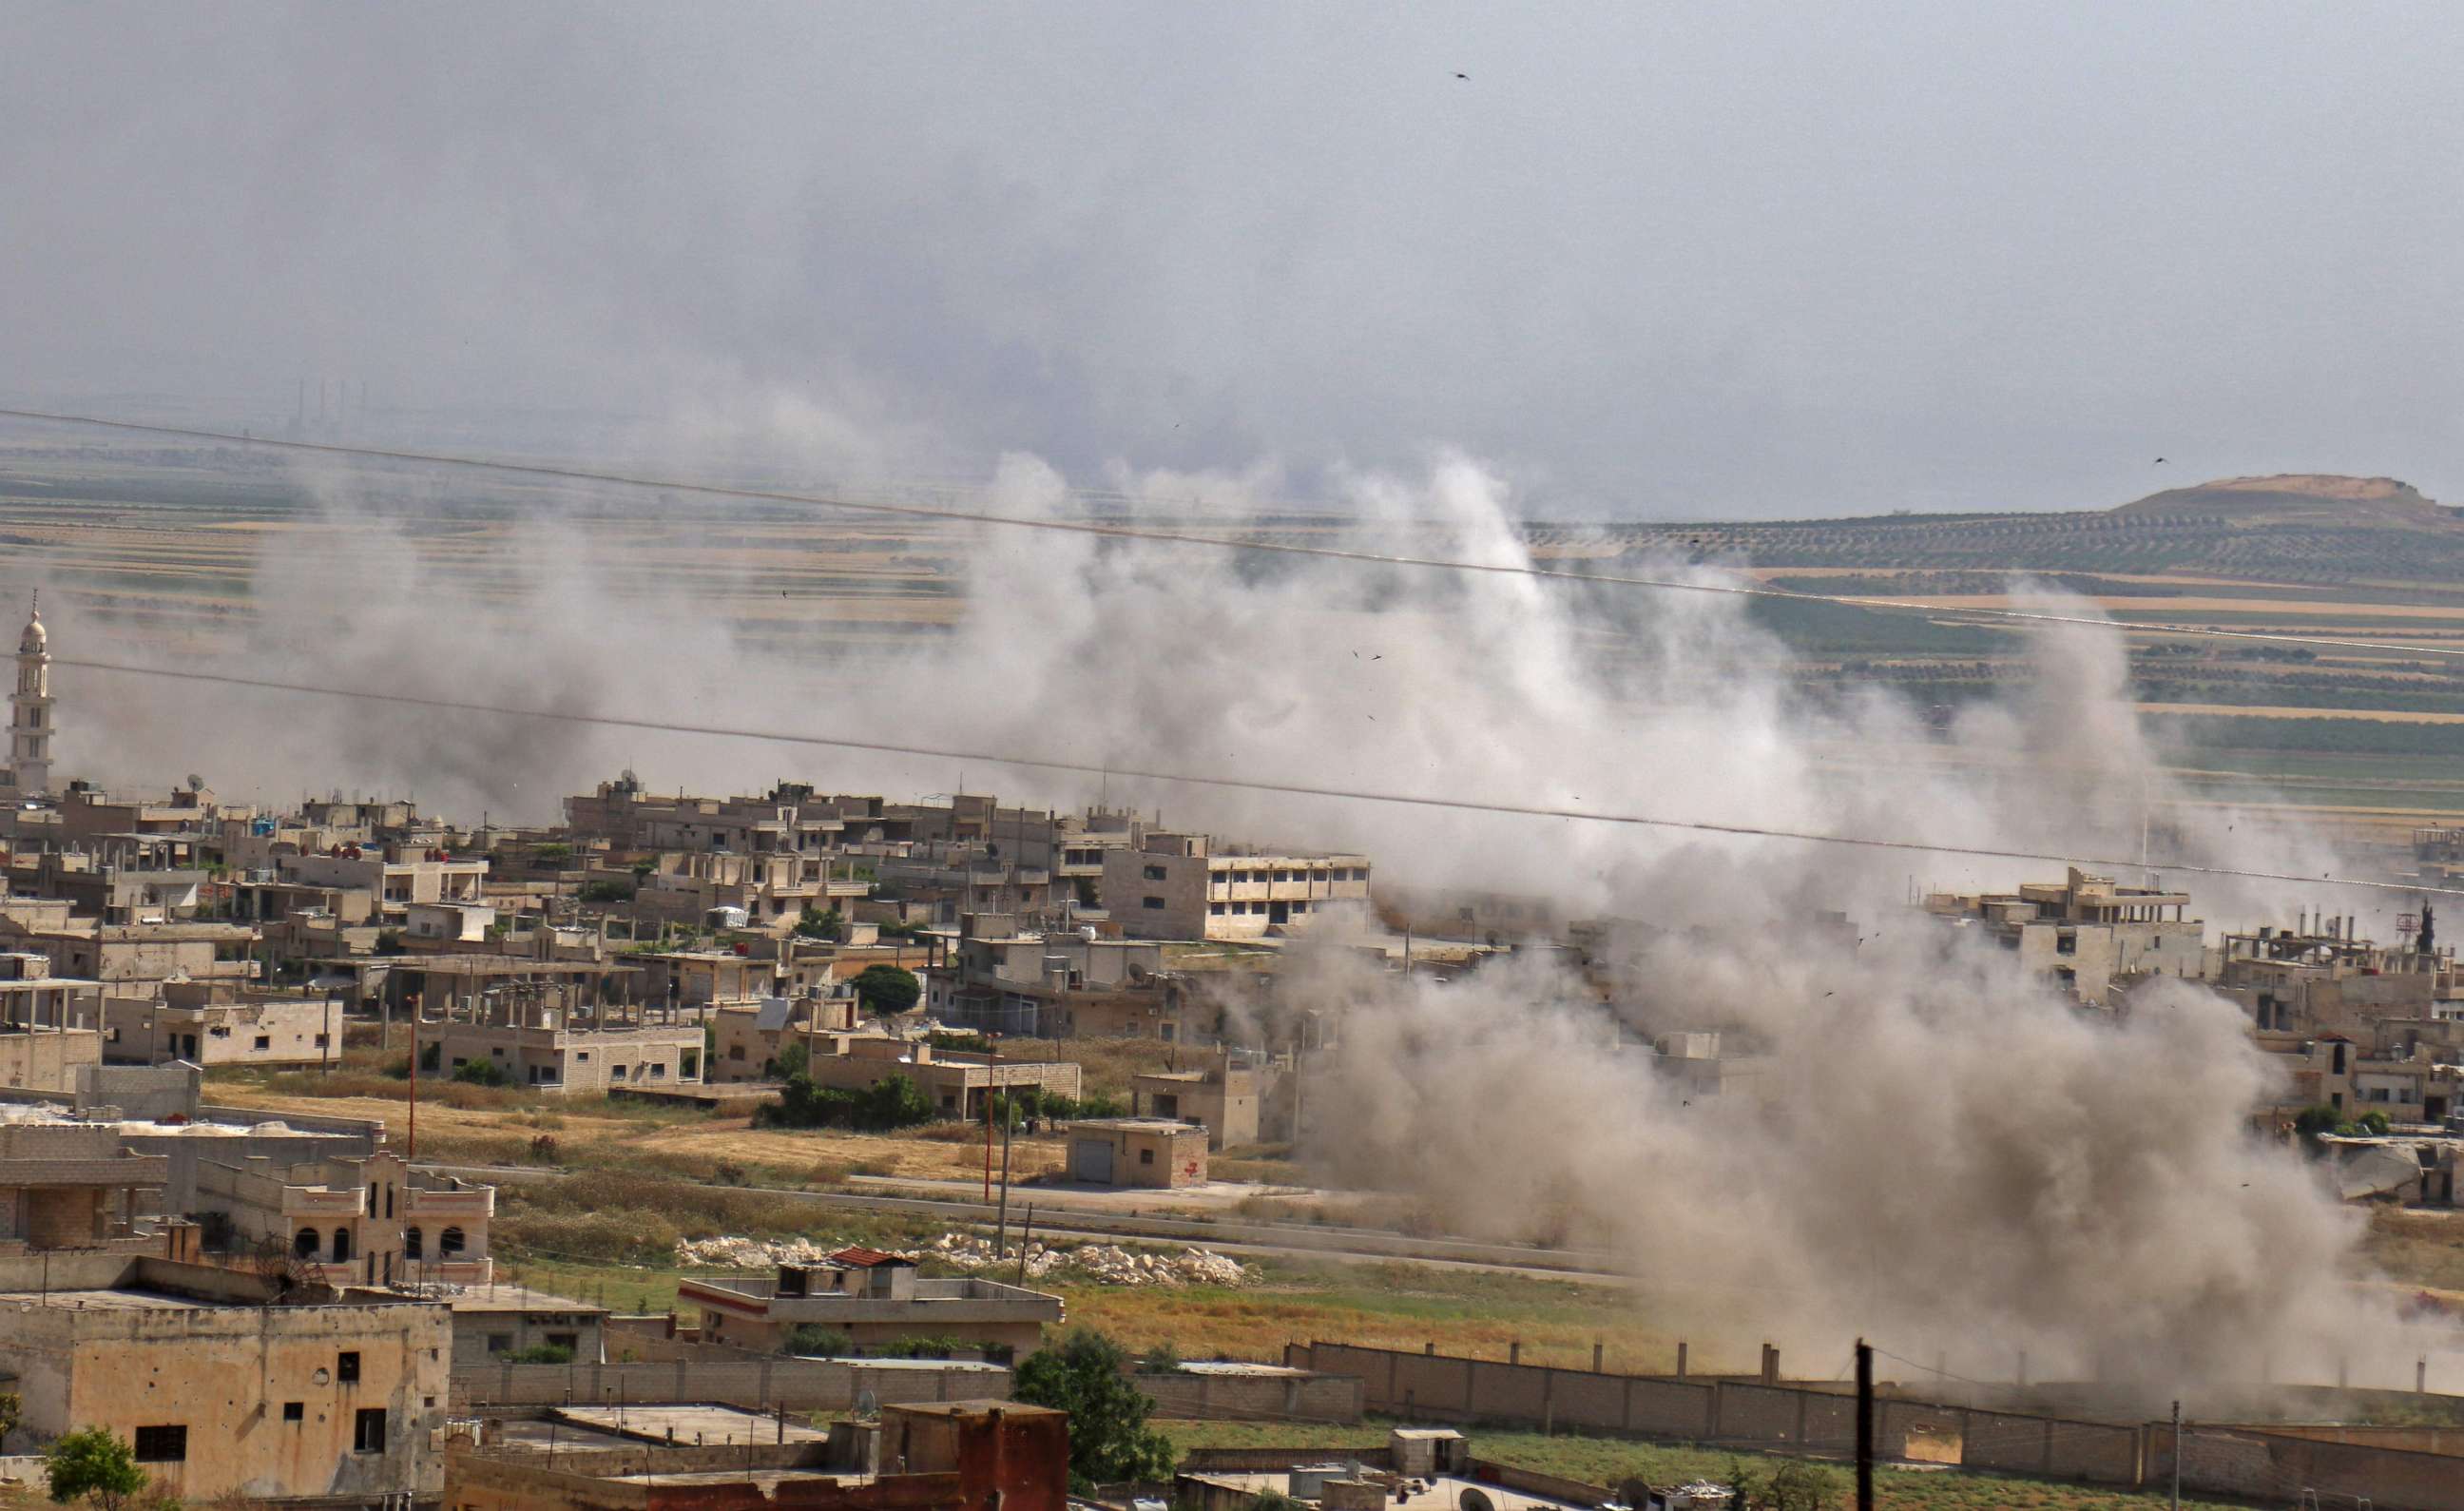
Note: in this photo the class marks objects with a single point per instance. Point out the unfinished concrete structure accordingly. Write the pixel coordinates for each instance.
(1159, 1153)
(50, 1026)
(869, 1299)
(76, 1185)
(2323, 978)
(226, 1383)
(2086, 933)
(1053, 985)
(576, 1026)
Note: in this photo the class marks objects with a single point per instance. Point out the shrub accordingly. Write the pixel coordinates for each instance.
(479, 1072)
(1110, 1441)
(93, 1464)
(606, 891)
(813, 1338)
(887, 989)
(890, 1102)
(540, 1353)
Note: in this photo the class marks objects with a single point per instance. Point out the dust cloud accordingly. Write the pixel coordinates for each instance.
(1950, 1161)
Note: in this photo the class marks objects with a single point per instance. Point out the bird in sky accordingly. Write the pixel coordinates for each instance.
(2158, 462)
(1462, 76)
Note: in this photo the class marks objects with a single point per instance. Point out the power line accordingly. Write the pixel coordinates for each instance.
(1243, 783)
(1184, 538)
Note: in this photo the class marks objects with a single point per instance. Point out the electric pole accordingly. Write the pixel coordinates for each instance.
(1864, 1426)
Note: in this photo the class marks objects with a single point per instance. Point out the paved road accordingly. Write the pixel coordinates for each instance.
(1273, 1240)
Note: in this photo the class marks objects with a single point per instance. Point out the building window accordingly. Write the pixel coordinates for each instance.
(303, 1244)
(1146, 1156)
(1155, 873)
(1214, 908)
(1151, 902)
(346, 1368)
(265, 1041)
(448, 1243)
(341, 1245)
(500, 1342)
(368, 1431)
(294, 1410)
(320, 1041)
(412, 1242)
(616, 1071)
(161, 1445)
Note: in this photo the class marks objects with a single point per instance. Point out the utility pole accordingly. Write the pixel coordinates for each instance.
(1864, 1426)
(2177, 1455)
(1001, 1226)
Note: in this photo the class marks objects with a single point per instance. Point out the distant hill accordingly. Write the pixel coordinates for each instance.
(2324, 497)
(2296, 529)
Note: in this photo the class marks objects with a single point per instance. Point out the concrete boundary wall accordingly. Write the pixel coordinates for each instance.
(800, 1385)
(1254, 1397)
(2392, 1467)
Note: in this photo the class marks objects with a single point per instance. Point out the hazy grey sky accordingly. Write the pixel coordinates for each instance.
(1652, 259)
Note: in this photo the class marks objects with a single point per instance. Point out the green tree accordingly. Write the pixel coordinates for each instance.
(1110, 1441)
(886, 988)
(93, 1465)
(813, 923)
(2314, 1123)
(12, 1411)
(479, 1072)
(605, 891)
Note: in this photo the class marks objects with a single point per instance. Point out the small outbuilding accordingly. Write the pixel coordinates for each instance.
(1158, 1152)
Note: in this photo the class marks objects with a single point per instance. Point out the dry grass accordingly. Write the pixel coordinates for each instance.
(1105, 1066)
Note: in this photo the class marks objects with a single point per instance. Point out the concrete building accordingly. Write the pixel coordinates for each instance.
(575, 1027)
(228, 1384)
(76, 1185)
(1225, 1091)
(869, 1298)
(1044, 986)
(211, 1024)
(394, 877)
(140, 954)
(2321, 978)
(366, 1219)
(2086, 934)
(747, 1040)
(1180, 886)
(1161, 1153)
(954, 1083)
(493, 1321)
(50, 1026)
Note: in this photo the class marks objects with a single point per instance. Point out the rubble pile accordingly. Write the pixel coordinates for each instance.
(751, 1254)
(1103, 1263)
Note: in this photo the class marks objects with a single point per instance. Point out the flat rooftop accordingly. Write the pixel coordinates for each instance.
(518, 1299)
(112, 1300)
(691, 1422)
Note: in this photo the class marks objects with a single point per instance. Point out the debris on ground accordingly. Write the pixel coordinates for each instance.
(1103, 1263)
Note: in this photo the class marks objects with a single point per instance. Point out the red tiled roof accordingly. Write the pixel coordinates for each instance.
(867, 1259)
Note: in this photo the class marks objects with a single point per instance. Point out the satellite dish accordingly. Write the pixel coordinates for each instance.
(196, 783)
(867, 1407)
